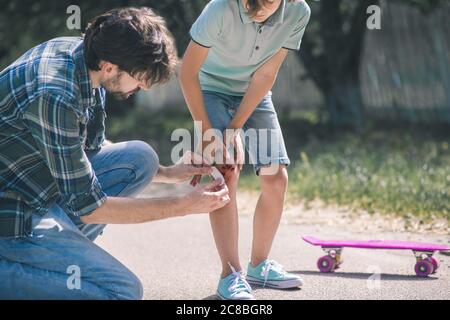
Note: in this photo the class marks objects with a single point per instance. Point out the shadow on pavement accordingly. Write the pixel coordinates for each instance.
(256, 287)
(211, 297)
(365, 276)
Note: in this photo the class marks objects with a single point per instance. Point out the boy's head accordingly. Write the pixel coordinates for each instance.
(261, 10)
(130, 49)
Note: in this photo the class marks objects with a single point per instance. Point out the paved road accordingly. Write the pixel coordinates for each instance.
(176, 259)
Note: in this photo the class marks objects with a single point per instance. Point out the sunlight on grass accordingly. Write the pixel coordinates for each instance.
(377, 172)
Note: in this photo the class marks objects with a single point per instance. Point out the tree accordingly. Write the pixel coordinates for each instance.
(26, 23)
(332, 50)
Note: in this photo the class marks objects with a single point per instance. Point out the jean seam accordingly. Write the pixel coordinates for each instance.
(116, 167)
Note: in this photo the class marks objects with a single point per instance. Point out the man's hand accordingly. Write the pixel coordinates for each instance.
(190, 165)
(207, 198)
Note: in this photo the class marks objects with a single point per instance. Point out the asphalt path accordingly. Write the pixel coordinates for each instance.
(177, 259)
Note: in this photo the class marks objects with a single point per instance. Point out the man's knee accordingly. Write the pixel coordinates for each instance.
(129, 287)
(136, 290)
(145, 160)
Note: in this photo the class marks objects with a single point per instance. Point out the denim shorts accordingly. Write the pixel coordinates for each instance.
(262, 135)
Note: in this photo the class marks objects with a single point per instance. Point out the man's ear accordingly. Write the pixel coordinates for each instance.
(108, 69)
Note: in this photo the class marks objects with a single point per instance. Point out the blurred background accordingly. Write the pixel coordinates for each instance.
(365, 113)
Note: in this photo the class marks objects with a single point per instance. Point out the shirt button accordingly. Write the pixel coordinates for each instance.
(260, 30)
(257, 48)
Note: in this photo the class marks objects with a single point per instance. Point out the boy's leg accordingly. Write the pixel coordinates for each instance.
(59, 262)
(268, 211)
(225, 227)
(269, 157)
(123, 170)
(224, 222)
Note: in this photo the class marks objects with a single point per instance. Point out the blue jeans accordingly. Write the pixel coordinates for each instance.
(60, 260)
(263, 137)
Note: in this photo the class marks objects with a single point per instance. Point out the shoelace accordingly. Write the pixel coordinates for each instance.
(272, 265)
(239, 283)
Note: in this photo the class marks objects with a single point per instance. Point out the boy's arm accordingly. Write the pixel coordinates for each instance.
(193, 60)
(262, 82)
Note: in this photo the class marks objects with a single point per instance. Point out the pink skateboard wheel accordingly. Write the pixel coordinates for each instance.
(326, 264)
(435, 264)
(424, 268)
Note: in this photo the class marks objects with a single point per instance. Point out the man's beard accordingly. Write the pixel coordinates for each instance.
(119, 95)
(111, 86)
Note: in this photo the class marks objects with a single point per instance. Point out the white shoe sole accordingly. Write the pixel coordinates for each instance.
(222, 298)
(283, 284)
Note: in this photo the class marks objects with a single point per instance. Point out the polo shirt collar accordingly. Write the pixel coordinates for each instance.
(88, 98)
(276, 18)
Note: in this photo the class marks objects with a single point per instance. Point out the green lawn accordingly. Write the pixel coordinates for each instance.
(403, 171)
(384, 168)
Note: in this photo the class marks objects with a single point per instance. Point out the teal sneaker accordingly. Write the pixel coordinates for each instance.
(234, 287)
(269, 273)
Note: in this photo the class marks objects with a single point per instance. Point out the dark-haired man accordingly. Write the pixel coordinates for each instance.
(59, 185)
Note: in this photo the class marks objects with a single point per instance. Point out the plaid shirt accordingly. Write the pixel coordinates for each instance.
(49, 116)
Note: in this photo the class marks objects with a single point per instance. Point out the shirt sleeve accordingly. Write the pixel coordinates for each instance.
(54, 125)
(207, 28)
(295, 39)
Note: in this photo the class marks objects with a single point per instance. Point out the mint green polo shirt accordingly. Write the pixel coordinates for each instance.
(239, 46)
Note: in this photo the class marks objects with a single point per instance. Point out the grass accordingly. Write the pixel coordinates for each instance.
(384, 168)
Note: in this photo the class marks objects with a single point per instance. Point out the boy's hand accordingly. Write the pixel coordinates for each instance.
(235, 153)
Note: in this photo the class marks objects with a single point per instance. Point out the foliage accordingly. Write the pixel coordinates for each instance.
(332, 49)
(26, 23)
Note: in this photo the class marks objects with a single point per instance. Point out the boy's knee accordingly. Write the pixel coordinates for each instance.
(274, 181)
(231, 176)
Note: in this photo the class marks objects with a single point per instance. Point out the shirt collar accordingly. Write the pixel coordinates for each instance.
(276, 18)
(88, 98)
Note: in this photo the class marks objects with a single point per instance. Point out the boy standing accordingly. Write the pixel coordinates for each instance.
(228, 71)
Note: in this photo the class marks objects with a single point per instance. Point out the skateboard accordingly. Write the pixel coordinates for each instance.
(426, 264)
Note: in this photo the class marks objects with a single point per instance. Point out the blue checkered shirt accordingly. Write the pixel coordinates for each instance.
(49, 116)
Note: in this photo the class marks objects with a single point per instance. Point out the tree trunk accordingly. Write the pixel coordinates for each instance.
(344, 103)
(331, 53)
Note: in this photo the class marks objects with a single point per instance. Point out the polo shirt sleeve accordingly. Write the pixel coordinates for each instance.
(295, 39)
(208, 27)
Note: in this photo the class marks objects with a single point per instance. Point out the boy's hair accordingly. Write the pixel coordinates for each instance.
(253, 6)
(136, 40)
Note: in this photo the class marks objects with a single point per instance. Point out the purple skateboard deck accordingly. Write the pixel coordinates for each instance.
(377, 244)
(425, 263)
